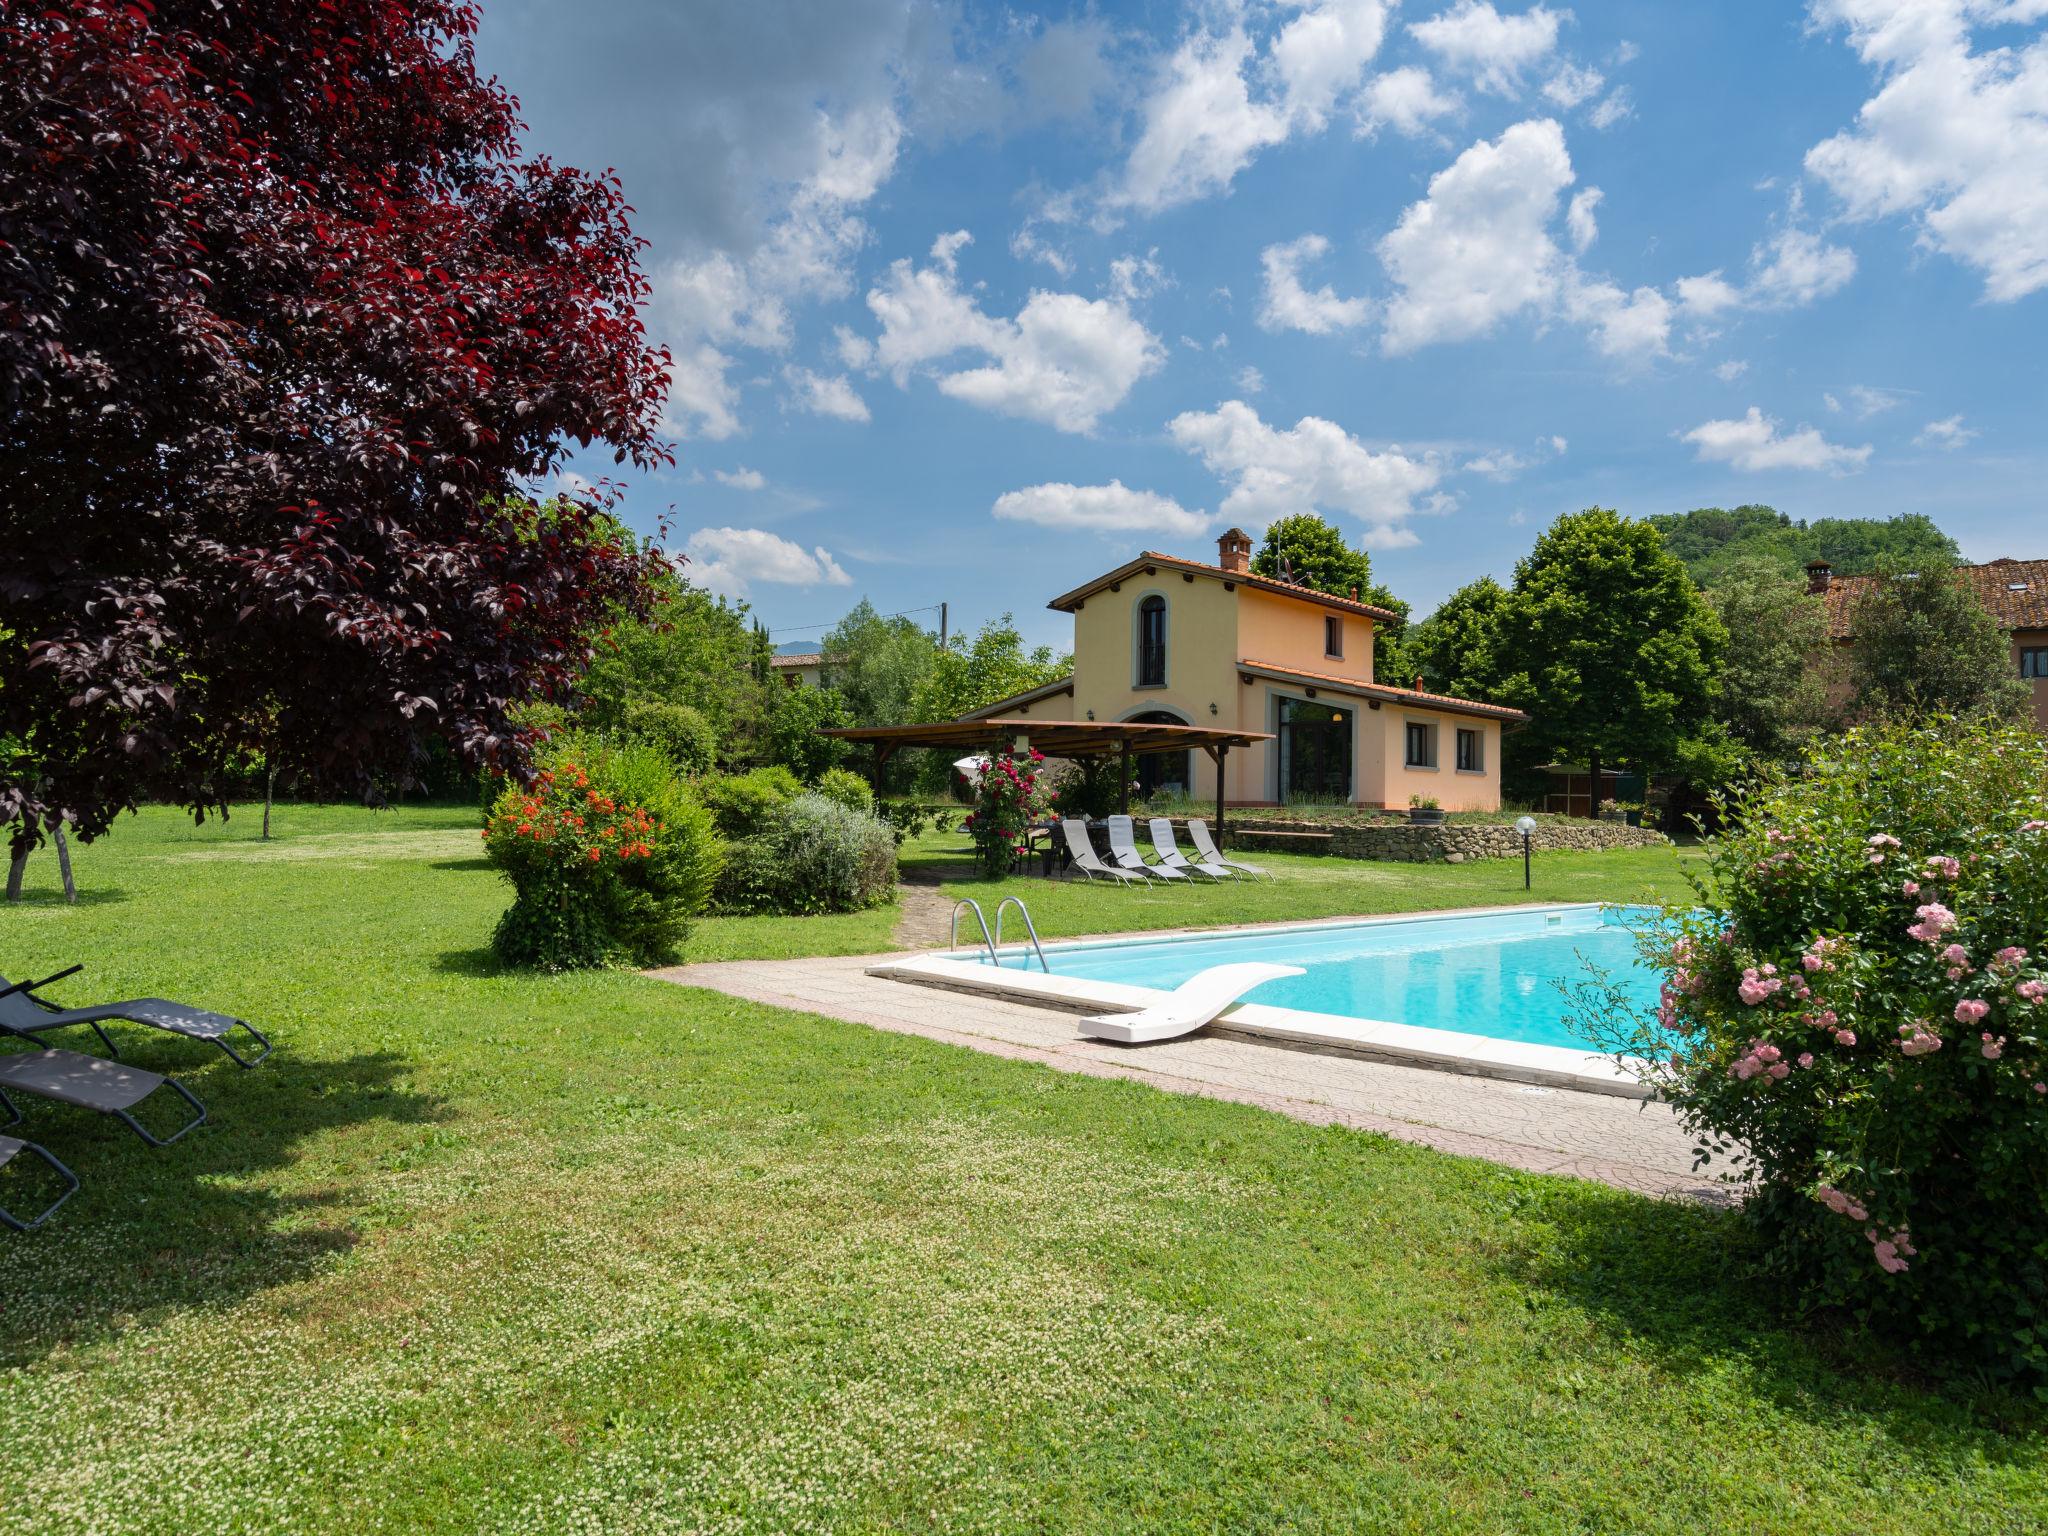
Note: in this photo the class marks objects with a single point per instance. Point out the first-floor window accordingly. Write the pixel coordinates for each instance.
(1333, 636)
(2034, 661)
(1421, 745)
(1470, 759)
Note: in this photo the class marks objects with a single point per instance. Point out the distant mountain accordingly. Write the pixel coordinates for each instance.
(1710, 539)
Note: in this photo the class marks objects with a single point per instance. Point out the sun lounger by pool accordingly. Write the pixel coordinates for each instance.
(1123, 852)
(1171, 857)
(1088, 861)
(1189, 1006)
(94, 1083)
(1205, 845)
(10, 1148)
(25, 1014)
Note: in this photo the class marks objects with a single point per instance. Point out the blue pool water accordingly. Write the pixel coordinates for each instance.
(1495, 974)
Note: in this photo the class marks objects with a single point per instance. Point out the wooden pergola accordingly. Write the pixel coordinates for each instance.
(1124, 739)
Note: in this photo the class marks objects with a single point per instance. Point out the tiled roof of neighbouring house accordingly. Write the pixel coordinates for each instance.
(797, 659)
(2014, 592)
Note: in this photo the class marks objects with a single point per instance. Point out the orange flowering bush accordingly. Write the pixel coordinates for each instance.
(608, 856)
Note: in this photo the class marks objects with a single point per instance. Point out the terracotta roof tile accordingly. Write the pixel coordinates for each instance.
(1066, 600)
(797, 659)
(2014, 592)
(1382, 691)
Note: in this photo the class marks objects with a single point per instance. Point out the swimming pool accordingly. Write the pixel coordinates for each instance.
(1496, 974)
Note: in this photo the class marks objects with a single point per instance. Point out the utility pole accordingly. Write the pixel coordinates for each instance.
(942, 626)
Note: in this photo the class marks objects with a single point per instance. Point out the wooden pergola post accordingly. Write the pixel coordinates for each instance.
(1123, 779)
(1222, 757)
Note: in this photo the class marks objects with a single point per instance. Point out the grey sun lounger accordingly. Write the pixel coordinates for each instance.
(25, 1014)
(1172, 858)
(1205, 845)
(10, 1148)
(1123, 852)
(1083, 856)
(94, 1083)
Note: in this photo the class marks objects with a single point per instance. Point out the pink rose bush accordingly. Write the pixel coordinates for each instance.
(1875, 1051)
(1008, 799)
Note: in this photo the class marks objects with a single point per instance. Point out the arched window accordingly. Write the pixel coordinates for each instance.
(1152, 642)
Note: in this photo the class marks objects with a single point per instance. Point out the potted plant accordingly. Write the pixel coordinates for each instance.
(1424, 811)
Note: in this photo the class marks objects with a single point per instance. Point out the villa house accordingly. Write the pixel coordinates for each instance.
(799, 669)
(1166, 640)
(2014, 592)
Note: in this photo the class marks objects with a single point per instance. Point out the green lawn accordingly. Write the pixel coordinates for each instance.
(497, 1253)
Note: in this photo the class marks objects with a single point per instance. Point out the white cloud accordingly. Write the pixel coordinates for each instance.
(1731, 370)
(1026, 245)
(1495, 50)
(732, 560)
(1753, 442)
(1789, 270)
(1953, 139)
(1288, 306)
(1132, 278)
(1313, 466)
(1796, 267)
(1580, 220)
(708, 305)
(1250, 380)
(1111, 508)
(825, 394)
(1063, 360)
(1322, 53)
(1573, 84)
(741, 479)
(1477, 249)
(1201, 126)
(854, 349)
(1617, 107)
(1405, 100)
(1202, 121)
(1867, 400)
(1949, 433)
(1624, 325)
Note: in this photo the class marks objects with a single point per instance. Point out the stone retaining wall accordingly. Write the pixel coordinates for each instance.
(1452, 843)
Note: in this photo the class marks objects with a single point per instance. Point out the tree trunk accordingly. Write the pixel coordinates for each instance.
(1593, 791)
(64, 865)
(15, 869)
(269, 783)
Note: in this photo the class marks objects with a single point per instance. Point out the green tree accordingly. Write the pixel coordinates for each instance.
(877, 663)
(1609, 646)
(696, 649)
(1315, 555)
(972, 675)
(1456, 650)
(1921, 644)
(1774, 697)
(793, 726)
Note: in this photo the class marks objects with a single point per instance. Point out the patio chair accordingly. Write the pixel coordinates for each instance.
(1189, 1006)
(25, 1014)
(1171, 856)
(94, 1083)
(1088, 861)
(1205, 845)
(1123, 852)
(10, 1148)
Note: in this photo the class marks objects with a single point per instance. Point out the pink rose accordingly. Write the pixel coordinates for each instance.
(1806, 1058)
(1942, 867)
(1971, 1009)
(1910, 888)
(1993, 1049)
(2032, 991)
(1845, 1037)
(1955, 954)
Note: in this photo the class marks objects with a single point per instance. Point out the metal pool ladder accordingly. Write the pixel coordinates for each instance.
(1024, 912)
(994, 944)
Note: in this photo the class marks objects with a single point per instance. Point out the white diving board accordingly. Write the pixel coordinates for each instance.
(1189, 1006)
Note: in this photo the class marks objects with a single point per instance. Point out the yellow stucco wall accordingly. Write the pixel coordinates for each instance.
(1286, 633)
(1453, 790)
(2029, 638)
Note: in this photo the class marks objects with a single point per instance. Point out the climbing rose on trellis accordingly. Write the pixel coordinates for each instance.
(1007, 802)
(287, 322)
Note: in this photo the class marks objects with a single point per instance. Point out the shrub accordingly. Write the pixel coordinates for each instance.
(684, 736)
(1863, 1007)
(813, 855)
(847, 788)
(608, 855)
(907, 818)
(743, 803)
(1090, 787)
(1007, 800)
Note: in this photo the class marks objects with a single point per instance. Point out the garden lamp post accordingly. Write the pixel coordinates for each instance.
(1526, 825)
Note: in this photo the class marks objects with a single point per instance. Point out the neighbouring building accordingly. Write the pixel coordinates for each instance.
(2014, 592)
(799, 669)
(1167, 640)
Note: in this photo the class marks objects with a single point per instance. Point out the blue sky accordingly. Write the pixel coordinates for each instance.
(972, 301)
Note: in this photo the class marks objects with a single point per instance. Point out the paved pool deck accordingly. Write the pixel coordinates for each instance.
(1630, 1144)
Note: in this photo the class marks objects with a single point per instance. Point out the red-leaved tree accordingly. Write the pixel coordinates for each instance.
(286, 320)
